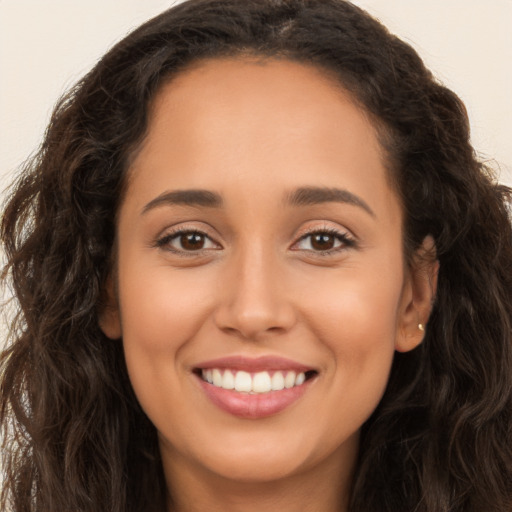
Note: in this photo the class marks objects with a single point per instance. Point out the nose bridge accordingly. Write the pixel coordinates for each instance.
(255, 299)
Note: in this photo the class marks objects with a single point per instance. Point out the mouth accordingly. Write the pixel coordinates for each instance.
(254, 382)
(254, 388)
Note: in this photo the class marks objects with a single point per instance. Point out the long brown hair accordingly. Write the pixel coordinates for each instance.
(75, 438)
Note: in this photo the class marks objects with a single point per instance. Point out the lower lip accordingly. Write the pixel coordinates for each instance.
(253, 406)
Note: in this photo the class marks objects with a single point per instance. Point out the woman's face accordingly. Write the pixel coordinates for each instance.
(259, 236)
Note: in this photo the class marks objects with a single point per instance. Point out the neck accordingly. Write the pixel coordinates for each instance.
(325, 487)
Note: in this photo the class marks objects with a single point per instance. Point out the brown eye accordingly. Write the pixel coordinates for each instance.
(187, 241)
(323, 241)
(192, 241)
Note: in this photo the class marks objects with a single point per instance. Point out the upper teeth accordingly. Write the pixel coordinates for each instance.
(261, 382)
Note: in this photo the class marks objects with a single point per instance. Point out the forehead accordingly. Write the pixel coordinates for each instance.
(258, 91)
(259, 123)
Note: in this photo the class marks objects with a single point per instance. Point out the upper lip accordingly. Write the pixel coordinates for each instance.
(254, 364)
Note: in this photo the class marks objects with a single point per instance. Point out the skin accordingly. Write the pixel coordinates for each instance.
(254, 131)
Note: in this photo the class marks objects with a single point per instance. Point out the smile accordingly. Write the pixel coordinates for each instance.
(260, 382)
(254, 388)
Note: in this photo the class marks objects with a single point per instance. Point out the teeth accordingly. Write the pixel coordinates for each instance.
(289, 380)
(261, 382)
(243, 381)
(277, 381)
(228, 381)
(301, 377)
(217, 377)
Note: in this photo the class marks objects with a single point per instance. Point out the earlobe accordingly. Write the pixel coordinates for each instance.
(109, 319)
(418, 297)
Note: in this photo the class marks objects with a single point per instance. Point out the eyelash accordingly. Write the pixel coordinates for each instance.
(346, 241)
(164, 242)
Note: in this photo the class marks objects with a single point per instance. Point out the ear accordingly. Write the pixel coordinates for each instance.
(418, 296)
(109, 318)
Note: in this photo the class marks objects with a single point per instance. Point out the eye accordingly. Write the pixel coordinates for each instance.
(325, 241)
(187, 241)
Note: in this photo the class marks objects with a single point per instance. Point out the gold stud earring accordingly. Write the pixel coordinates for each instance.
(421, 328)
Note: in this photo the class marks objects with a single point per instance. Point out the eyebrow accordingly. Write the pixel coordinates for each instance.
(305, 196)
(191, 197)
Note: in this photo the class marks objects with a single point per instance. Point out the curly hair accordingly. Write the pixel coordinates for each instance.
(75, 438)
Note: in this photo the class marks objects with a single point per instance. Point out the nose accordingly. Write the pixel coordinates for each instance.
(254, 301)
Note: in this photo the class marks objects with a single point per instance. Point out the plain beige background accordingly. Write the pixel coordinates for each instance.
(47, 45)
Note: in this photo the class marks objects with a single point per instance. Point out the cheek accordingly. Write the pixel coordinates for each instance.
(162, 308)
(355, 320)
(354, 310)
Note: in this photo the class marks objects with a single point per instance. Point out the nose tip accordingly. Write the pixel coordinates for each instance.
(254, 305)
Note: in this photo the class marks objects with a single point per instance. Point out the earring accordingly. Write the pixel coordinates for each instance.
(420, 327)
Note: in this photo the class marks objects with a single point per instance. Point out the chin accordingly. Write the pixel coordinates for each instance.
(259, 468)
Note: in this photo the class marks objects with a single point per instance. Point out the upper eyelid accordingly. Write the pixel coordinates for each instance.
(185, 228)
(325, 229)
(346, 233)
(180, 231)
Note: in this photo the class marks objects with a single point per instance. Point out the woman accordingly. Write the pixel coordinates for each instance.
(259, 268)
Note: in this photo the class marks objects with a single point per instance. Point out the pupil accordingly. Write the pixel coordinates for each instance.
(322, 242)
(192, 241)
